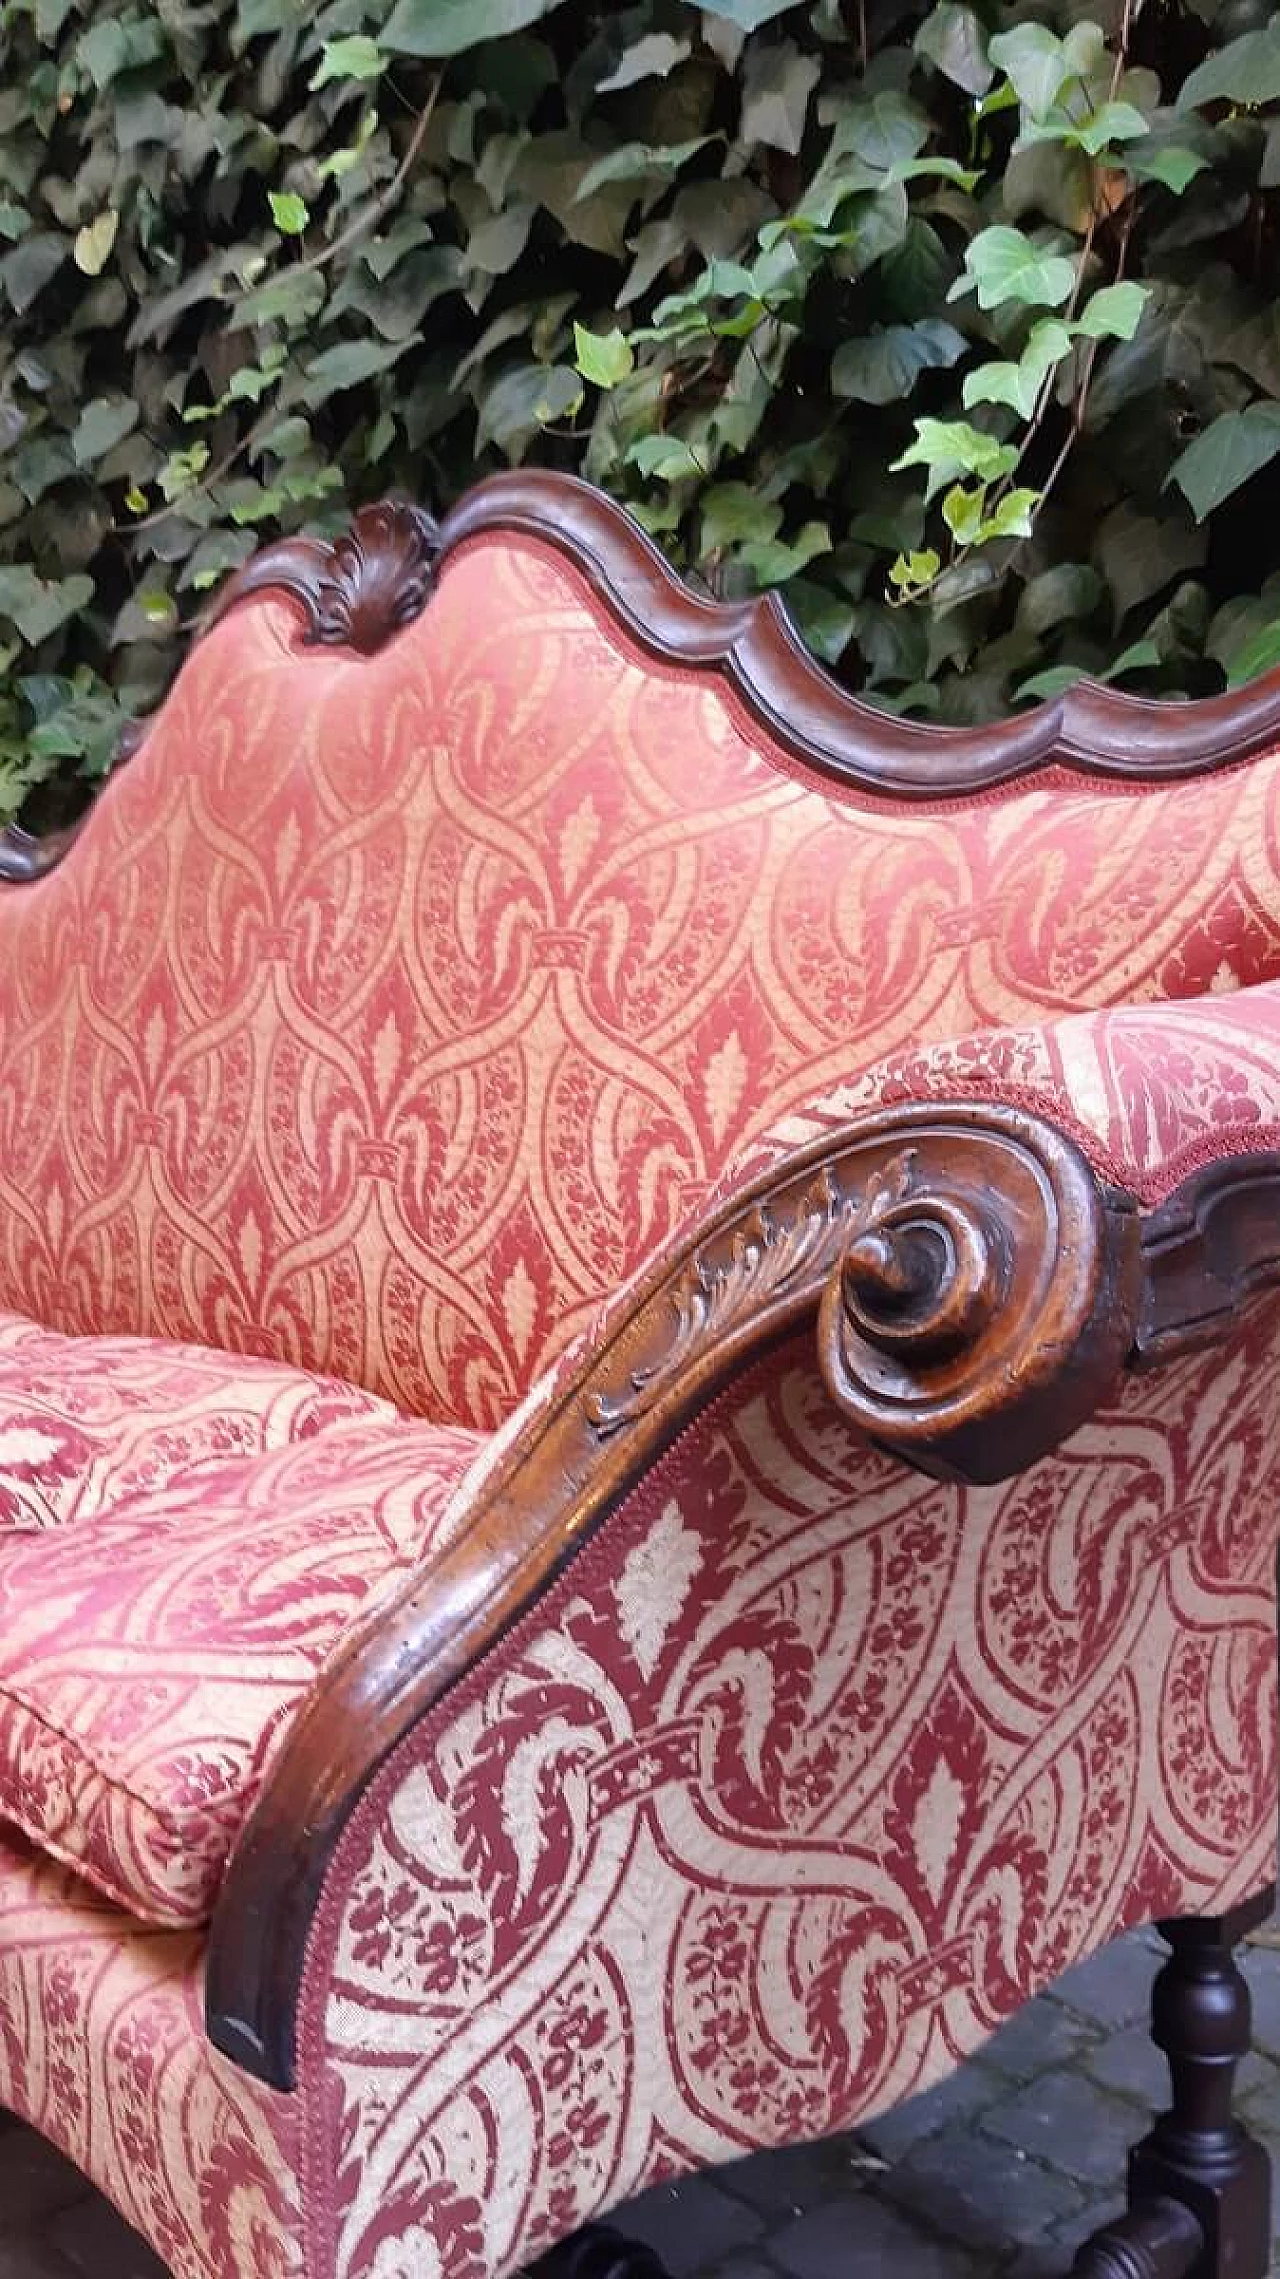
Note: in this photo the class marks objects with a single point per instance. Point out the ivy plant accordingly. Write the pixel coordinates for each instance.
(953, 320)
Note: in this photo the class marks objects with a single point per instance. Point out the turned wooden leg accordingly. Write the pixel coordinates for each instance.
(598, 2252)
(1199, 2184)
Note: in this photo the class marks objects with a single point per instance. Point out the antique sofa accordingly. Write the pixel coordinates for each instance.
(639, 1455)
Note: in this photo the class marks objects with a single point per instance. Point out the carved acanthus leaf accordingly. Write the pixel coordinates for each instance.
(774, 1249)
(713, 1297)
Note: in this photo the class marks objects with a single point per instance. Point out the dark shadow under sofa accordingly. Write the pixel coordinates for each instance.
(639, 1457)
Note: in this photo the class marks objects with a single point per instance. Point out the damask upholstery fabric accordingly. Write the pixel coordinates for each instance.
(678, 1871)
(103, 2049)
(150, 1656)
(1151, 1092)
(91, 1421)
(392, 1010)
(996, 1726)
(805, 1774)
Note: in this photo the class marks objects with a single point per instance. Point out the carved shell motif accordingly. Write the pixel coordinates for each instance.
(357, 589)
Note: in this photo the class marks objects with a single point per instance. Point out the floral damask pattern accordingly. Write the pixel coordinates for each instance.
(103, 2049)
(1152, 1092)
(677, 1874)
(393, 1010)
(150, 1656)
(391, 1013)
(87, 1422)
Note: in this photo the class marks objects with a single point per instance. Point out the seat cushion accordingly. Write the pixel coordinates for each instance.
(86, 1422)
(151, 1656)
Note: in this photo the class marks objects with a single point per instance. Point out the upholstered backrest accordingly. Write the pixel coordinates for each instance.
(390, 1009)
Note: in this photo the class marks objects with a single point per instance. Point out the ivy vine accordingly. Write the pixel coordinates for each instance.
(955, 322)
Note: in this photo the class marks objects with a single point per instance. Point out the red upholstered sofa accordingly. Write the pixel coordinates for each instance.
(639, 1456)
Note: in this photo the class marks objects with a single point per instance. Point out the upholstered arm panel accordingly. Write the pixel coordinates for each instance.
(1152, 1092)
(803, 1774)
(686, 1585)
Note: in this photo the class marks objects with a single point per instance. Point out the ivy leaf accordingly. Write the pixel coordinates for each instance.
(668, 457)
(1006, 265)
(917, 569)
(605, 358)
(1054, 682)
(1114, 312)
(27, 268)
(962, 513)
(101, 425)
(637, 161)
(1033, 61)
(37, 608)
(651, 58)
(1170, 164)
(447, 27)
(884, 368)
(1019, 385)
(1137, 658)
(773, 561)
(883, 130)
(953, 39)
(1259, 655)
(296, 297)
(1068, 590)
(1247, 71)
(110, 47)
(778, 84)
(1110, 123)
(357, 57)
(525, 400)
(1230, 451)
(748, 15)
(288, 212)
(92, 248)
(1010, 518)
(734, 512)
(951, 447)
(346, 365)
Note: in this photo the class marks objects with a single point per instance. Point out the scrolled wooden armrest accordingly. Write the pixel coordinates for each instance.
(974, 1288)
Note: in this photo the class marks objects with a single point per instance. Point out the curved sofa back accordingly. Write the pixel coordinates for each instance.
(390, 1010)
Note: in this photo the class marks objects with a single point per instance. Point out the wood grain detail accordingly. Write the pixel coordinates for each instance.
(355, 591)
(1207, 1251)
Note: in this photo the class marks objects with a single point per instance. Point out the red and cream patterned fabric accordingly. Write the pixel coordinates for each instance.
(150, 1656)
(393, 1010)
(86, 1422)
(678, 1873)
(803, 1774)
(806, 1773)
(103, 2049)
(1151, 1092)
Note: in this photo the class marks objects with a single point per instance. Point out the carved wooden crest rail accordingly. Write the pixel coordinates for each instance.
(360, 589)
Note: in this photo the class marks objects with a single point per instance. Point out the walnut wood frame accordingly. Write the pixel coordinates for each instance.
(360, 589)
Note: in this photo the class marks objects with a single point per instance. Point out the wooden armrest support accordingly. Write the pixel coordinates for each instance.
(974, 1289)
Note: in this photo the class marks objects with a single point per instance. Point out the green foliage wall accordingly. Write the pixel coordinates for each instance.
(956, 322)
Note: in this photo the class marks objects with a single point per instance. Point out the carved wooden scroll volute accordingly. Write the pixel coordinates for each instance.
(984, 1300)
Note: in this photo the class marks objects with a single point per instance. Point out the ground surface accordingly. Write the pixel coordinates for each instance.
(1000, 2171)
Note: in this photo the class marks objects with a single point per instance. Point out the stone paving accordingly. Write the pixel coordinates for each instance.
(996, 2174)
